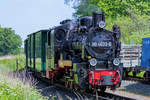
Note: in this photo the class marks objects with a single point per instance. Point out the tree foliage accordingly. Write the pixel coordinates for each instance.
(132, 29)
(10, 42)
(111, 7)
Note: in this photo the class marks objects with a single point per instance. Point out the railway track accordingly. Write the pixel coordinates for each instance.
(61, 91)
(89, 96)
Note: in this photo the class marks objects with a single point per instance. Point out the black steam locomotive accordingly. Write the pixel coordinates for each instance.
(80, 53)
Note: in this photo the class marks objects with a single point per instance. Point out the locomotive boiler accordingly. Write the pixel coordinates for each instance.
(81, 53)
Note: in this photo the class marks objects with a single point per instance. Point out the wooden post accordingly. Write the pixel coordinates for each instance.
(16, 65)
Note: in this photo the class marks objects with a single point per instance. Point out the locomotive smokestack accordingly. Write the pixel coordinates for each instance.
(98, 18)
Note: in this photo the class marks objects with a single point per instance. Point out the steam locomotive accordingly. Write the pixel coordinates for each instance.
(79, 53)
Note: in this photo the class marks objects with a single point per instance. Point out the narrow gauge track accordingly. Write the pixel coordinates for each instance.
(79, 95)
(102, 96)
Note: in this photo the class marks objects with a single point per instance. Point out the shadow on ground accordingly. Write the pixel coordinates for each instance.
(137, 87)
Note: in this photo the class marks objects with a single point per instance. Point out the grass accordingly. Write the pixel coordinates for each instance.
(10, 64)
(12, 88)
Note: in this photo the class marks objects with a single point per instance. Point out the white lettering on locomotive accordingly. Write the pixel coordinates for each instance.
(101, 44)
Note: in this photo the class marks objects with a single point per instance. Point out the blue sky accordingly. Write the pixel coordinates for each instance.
(27, 16)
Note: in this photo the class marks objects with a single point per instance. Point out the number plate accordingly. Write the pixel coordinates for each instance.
(101, 44)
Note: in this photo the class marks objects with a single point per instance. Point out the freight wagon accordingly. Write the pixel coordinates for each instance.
(141, 71)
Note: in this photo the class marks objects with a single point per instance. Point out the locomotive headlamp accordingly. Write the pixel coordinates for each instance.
(93, 62)
(116, 62)
(101, 24)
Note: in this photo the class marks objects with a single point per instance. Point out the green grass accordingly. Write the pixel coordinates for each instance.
(10, 64)
(11, 88)
(14, 89)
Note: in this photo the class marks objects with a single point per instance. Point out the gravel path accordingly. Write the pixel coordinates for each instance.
(135, 90)
(6, 57)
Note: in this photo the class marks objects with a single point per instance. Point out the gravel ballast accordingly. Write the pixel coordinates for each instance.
(133, 89)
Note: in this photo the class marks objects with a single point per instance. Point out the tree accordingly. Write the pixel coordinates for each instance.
(132, 29)
(10, 42)
(111, 7)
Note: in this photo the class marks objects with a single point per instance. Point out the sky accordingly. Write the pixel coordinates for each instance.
(28, 16)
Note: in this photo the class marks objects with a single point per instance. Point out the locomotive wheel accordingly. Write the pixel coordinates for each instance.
(66, 84)
(76, 87)
(52, 75)
(71, 84)
(102, 89)
(51, 81)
